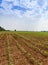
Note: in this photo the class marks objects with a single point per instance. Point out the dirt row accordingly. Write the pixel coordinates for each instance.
(37, 56)
(3, 51)
(43, 45)
(10, 53)
(17, 56)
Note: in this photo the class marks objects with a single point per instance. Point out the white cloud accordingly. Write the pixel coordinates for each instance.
(33, 5)
(34, 19)
(43, 24)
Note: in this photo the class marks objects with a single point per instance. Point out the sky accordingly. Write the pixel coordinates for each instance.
(24, 15)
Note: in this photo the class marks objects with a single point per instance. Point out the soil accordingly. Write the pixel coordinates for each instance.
(16, 56)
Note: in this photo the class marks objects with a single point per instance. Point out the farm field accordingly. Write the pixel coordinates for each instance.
(23, 48)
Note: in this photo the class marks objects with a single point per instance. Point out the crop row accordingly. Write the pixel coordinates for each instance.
(1, 36)
(34, 40)
(38, 50)
(28, 55)
(9, 52)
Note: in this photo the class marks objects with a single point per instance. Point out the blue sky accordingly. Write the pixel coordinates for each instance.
(28, 15)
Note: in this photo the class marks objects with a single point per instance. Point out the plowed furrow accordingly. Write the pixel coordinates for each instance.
(3, 52)
(17, 56)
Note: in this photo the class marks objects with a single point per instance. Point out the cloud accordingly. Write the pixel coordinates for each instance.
(33, 11)
(33, 8)
(1, 7)
(36, 7)
(0, 1)
(43, 24)
(40, 2)
(20, 8)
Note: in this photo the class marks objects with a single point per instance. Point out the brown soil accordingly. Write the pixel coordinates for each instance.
(3, 52)
(16, 56)
(39, 57)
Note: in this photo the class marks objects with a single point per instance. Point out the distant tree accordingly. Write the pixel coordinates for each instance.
(15, 30)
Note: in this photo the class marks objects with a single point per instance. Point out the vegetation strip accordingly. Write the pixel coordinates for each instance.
(43, 52)
(45, 46)
(30, 58)
(1, 35)
(9, 52)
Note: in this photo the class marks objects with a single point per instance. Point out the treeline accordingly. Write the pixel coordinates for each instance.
(2, 29)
